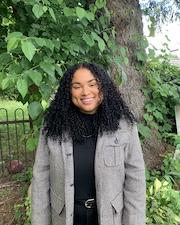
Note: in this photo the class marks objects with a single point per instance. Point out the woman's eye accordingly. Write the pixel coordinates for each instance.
(76, 87)
(92, 85)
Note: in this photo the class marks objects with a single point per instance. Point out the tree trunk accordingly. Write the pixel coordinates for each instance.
(128, 23)
(127, 20)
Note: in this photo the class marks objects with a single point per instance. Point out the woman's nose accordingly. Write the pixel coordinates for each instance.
(85, 91)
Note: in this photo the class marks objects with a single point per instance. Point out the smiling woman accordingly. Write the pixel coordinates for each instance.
(89, 168)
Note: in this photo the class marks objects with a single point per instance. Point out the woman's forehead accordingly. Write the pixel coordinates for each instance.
(83, 75)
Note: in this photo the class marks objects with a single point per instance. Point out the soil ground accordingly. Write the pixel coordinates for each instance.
(12, 194)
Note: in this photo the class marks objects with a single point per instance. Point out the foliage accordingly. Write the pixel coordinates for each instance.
(25, 176)
(59, 34)
(23, 212)
(163, 202)
(162, 94)
(161, 11)
(170, 169)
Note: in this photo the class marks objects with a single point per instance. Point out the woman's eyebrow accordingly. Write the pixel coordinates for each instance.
(76, 82)
(92, 80)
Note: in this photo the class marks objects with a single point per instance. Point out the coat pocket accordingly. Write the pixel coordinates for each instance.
(57, 204)
(117, 202)
(117, 207)
(113, 155)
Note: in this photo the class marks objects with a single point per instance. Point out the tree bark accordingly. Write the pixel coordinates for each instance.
(126, 17)
(127, 20)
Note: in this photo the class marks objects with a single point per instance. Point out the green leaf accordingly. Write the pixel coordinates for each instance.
(118, 59)
(28, 49)
(105, 36)
(40, 41)
(68, 11)
(101, 44)
(90, 16)
(31, 144)
(35, 109)
(35, 76)
(46, 91)
(51, 11)
(100, 3)
(12, 43)
(122, 51)
(47, 67)
(58, 69)
(157, 185)
(177, 218)
(88, 39)
(151, 190)
(4, 58)
(50, 44)
(94, 36)
(60, 1)
(38, 10)
(144, 130)
(45, 8)
(22, 87)
(2, 77)
(126, 60)
(17, 35)
(148, 117)
(80, 12)
(158, 115)
(5, 83)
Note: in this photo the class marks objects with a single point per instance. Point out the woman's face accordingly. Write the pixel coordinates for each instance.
(85, 91)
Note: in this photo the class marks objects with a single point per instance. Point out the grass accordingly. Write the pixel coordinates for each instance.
(11, 106)
(13, 136)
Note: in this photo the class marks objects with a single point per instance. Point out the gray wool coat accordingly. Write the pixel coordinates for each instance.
(119, 179)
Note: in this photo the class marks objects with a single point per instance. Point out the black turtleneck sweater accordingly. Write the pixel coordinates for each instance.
(84, 155)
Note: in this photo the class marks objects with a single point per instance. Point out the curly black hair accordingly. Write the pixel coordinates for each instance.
(62, 117)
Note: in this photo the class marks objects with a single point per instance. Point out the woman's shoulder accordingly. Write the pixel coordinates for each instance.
(125, 125)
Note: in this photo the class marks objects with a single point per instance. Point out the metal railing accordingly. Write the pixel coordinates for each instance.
(13, 139)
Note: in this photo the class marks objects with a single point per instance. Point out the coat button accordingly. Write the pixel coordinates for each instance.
(71, 185)
(116, 141)
(69, 154)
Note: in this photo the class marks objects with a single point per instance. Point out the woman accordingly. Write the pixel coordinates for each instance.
(89, 168)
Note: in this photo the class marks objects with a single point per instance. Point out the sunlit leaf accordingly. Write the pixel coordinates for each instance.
(101, 44)
(28, 49)
(144, 130)
(12, 43)
(51, 11)
(5, 83)
(80, 12)
(157, 185)
(38, 10)
(22, 87)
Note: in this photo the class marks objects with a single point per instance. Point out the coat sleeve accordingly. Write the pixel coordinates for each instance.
(134, 186)
(40, 185)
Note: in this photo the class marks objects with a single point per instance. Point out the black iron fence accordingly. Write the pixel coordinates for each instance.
(13, 141)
